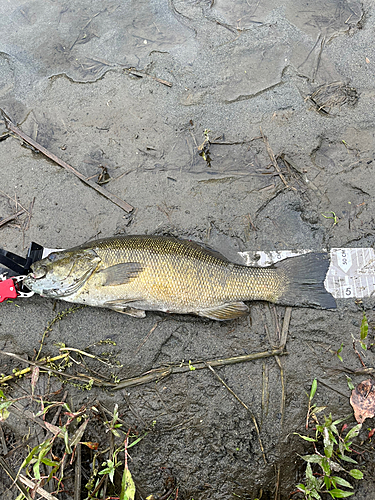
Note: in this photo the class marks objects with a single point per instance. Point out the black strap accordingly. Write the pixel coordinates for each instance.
(18, 264)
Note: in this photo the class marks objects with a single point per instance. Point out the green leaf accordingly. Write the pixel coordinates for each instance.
(353, 432)
(5, 405)
(137, 440)
(364, 327)
(306, 438)
(325, 466)
(68, 449)
(302, 487)
(336, 493)
(357, 474)
(328, 449)
(316, 495)
(327, 482)
(36, 470)
(350, 383)
(342, 482)
(313, 388)
(318, 409)
(49, 462)
(127, 486)
(4, 413)
(309, 473)
(314, 459)
(347, 459)
(328, 445)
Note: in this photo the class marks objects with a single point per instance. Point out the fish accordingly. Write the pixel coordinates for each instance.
(134, 274)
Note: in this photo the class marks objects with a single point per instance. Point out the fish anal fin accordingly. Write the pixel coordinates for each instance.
(225, 311)
(122, 306)
(120, 274)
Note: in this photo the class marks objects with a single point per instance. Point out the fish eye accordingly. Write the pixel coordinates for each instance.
(52, 257)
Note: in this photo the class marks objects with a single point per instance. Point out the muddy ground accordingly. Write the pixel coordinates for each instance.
(132, 86)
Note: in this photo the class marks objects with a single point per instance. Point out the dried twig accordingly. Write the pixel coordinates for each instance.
(156, 374)
(113, 198)
(146, 338)
(160, 373)
(133, 72)
(274, 161)
(10, 218)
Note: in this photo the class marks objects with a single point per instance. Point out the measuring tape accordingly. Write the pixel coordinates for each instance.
(351, 273)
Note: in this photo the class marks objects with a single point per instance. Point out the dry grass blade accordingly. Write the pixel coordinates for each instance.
(78, 472)
(113, 198)
(285, 329)
(30, 484)
(13, 476)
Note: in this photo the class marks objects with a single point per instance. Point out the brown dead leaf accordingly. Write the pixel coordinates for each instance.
(91, 445)
(363, 400)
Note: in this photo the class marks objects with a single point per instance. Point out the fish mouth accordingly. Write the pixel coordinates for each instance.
(37, 273)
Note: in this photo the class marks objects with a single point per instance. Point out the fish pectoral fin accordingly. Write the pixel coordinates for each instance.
(225, 311)
(122, 306)
(120, 274)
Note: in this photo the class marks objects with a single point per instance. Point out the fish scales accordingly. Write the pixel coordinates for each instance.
(132, 274)
(184, 274)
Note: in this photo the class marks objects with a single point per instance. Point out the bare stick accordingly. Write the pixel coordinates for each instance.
(160, 373)
(10, 218)
(156, 374)
(113, 198)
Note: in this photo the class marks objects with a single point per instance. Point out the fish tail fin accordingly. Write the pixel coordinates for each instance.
(304, 277)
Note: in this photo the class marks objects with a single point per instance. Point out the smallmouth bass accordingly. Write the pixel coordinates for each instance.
(132, 274)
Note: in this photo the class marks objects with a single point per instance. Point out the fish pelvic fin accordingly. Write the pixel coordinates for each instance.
(122, 306)
(225, 311)
(303, 277)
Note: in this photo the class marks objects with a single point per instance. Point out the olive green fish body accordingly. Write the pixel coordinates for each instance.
(132, 274)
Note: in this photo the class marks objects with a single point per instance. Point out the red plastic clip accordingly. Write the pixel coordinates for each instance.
(7, 290)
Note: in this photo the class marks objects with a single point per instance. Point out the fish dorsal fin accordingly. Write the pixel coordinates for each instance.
(120, 274)
(206, 249)
(225, 311)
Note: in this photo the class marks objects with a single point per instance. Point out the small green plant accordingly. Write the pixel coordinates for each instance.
(331, 448)
(339, 351)
(364, 331)
(312, 409)
(333, 216)
(191, 367)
